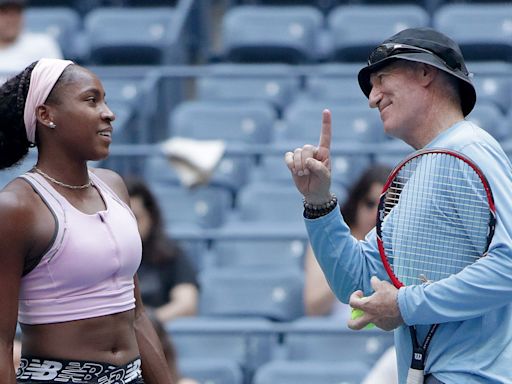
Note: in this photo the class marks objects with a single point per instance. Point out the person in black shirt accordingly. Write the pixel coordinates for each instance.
(168, 281)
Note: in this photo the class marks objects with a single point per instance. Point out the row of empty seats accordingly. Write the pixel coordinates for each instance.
(259, 33)
(123, 34)
(302, 34)
(257, 351)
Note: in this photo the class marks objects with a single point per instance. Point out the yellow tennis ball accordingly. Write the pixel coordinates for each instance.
(357, 313)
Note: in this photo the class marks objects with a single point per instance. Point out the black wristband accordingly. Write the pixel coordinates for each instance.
(314, 211)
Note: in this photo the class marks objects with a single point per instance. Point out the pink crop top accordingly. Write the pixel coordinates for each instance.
(88, 268)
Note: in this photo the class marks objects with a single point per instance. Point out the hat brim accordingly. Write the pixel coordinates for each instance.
(467, 90)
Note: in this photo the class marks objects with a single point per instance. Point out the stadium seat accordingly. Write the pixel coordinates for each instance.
(309, 372)
(211, 370)
(272, 293)
(489, 117)
(274, 83)
(129, 36)
(248, 342)
(272, 253)
(269, 204)
(63, 24)
(353, 43)
(493, 81)
(248, 122)
(351, 123)
(271, 34)
(187, 212)
(322, 339)
(484, 34)
(335, 82)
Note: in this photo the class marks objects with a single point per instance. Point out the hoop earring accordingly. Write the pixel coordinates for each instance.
(52, 125)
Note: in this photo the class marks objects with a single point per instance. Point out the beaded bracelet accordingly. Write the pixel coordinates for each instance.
(314, 211)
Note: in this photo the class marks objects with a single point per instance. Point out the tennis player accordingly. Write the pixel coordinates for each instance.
(419, 82)
(69, 243)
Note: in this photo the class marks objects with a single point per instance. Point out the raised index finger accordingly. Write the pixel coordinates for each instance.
(326, 133)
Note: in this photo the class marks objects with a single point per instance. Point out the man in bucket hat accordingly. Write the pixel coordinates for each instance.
(420, 84)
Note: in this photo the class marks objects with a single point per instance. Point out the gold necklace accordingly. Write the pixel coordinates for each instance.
(83, 186)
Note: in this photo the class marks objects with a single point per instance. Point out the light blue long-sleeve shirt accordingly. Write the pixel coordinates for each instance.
(473, 344)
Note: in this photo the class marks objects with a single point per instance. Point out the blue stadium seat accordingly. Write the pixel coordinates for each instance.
(484, 34)
(274, 83)
(271, 34)
(272, 293)
(63, 24)
(248, 342)
(326, 340)
(335, 82)
(346, 169)
(351, 123)
(187, 212)
(273, 253)
(268, 204)
(493, 81)
(126, 35)
(82, 7)
(211, 370)
(489, 117)
(240, 122)
(308, 372)
(353, 43)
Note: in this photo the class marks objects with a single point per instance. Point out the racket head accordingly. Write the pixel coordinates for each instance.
(436, 215)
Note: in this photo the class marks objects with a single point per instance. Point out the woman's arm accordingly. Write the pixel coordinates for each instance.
(14, 244)
(182, 302)
(155, 369)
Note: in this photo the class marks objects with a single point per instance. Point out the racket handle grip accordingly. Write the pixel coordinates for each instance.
(415, 376)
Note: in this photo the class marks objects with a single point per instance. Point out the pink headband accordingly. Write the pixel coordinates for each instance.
(44, 76)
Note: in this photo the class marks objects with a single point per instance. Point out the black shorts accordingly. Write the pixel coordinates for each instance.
(36, 370)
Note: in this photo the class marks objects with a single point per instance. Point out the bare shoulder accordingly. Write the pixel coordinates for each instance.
(113, 180)
(19, 205)
(17, 197)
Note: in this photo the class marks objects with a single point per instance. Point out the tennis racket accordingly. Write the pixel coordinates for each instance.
(436, 216)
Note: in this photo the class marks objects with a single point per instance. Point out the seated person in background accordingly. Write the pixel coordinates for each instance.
(360, 212)
(18, 47)
(168, 281)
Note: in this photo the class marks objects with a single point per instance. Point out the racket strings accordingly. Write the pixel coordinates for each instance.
(436, 218)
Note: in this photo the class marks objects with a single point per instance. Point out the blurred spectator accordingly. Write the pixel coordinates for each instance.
(168, 282)
(18, 47)
(360, 213)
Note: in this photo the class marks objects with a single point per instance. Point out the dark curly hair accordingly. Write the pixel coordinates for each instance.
(376, 173)
(14, 145)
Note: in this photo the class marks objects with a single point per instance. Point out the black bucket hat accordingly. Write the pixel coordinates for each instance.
(424, 45)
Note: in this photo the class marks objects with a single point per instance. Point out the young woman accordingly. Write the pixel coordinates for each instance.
(69, 248)
(167, 280)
